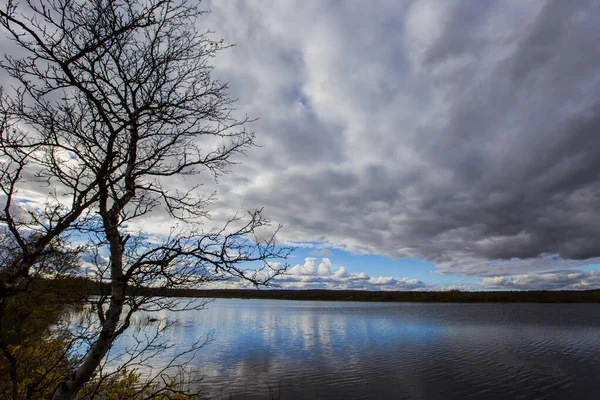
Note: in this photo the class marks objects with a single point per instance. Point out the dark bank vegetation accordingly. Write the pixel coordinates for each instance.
(38, 347)
(449, 296)
(452, 296)
(537, 296)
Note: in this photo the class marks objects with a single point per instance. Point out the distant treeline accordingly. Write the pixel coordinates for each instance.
(450, 296)
(453, 296)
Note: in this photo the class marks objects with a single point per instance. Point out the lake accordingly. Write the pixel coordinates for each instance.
(351, 350)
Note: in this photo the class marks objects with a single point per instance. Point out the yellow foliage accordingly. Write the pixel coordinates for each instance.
(41, 364)
(43, 354)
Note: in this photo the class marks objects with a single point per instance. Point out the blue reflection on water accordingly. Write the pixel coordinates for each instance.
(391, 350)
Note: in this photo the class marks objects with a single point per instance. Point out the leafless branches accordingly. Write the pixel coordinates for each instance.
(114, 98)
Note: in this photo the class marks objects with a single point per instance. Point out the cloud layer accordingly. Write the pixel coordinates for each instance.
(457, 132)
(464, 133)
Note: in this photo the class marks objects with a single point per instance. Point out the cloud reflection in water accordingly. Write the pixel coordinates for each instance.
(377, 350)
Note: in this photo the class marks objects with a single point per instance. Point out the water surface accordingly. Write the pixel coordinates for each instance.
(337, 350)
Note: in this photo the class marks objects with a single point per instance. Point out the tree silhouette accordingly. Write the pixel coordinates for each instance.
(114, 100)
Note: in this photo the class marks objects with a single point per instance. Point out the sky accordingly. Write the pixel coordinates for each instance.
(424, 144)
(419, 145)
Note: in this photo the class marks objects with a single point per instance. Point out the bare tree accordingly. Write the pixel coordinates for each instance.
(115, 98)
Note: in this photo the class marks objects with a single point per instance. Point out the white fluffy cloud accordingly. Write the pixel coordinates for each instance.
(323, 275)
(565, 279)
(310, 268)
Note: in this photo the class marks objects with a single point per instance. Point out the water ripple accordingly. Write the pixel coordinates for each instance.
(325, 350)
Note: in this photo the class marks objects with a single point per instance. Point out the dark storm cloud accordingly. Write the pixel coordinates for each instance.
(481, 144)
(528, 136)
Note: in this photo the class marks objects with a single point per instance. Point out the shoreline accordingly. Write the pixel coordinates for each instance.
(86, 287)
(452, 296)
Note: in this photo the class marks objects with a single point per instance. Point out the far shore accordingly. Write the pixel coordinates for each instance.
(451, 296)
(87, 287)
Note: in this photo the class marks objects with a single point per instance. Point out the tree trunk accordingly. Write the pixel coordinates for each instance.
(70, 386)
